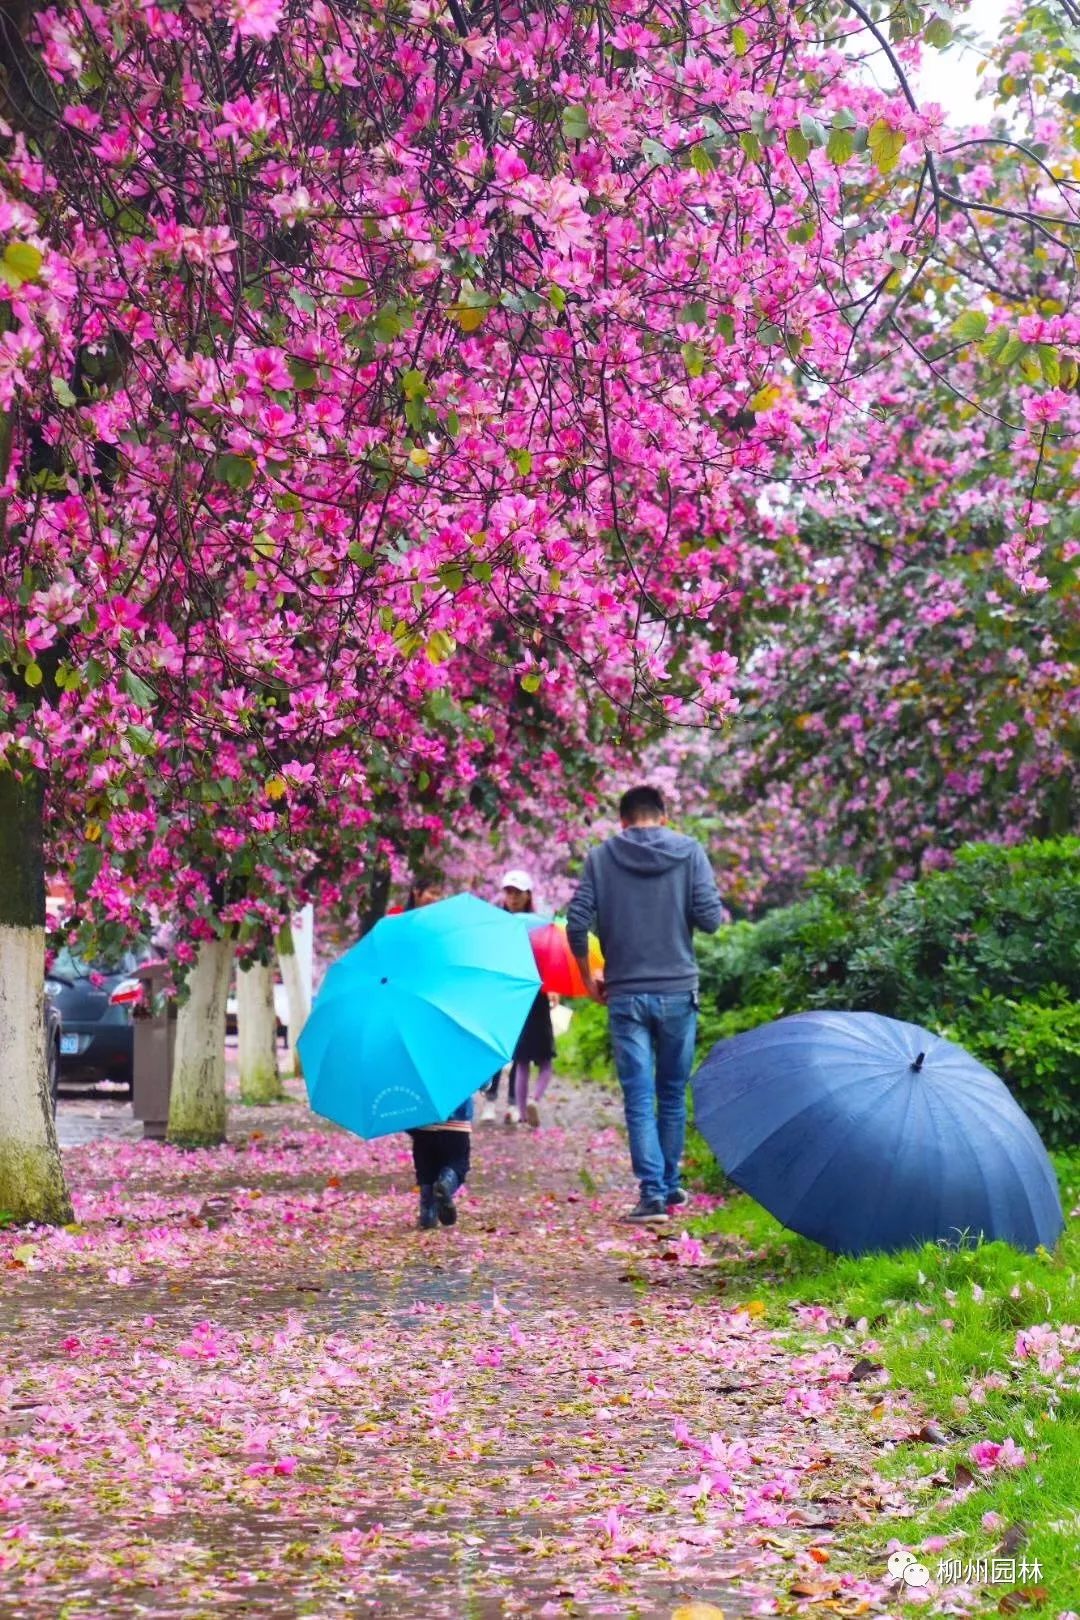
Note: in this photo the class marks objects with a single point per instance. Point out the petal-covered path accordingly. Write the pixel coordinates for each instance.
(243, 1383)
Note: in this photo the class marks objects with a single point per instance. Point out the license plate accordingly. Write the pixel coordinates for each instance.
(69, 1045)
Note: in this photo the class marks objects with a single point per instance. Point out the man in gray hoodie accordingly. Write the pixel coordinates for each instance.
(645, 891)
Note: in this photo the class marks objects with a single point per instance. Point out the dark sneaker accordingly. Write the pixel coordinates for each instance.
(678, 1199)
(648, 1213)
(446, 1185)
(428, 1216)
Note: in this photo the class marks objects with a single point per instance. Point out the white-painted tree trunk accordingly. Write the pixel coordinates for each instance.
(257, 1023)
(293, 981)
(32, 1184)
(197, 1102)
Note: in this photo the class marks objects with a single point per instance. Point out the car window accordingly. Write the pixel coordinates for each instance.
(70, 966)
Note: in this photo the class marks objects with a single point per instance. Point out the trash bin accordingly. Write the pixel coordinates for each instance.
(154, 1021)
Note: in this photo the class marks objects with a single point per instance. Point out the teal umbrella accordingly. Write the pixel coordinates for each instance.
(418, 1015)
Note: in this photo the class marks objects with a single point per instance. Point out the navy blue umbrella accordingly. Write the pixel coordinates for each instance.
(868, 1134)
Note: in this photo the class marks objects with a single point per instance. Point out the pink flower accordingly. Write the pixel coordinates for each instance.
(988, 1455)
(256, 19)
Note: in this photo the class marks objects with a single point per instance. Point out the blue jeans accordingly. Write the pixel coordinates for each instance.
(653, 1040)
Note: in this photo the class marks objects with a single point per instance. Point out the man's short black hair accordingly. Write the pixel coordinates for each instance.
(641, 804)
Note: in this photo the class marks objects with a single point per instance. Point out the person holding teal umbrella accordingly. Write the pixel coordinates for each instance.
(442, 1153)
(411, 1021)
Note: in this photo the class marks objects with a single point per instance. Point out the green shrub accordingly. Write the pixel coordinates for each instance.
(1035, 1047)
(585, 1050)
(987, 951)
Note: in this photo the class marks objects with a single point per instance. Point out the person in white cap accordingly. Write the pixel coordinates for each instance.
(536, 1043)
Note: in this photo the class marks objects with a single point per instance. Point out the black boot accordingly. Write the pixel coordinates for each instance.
(446, 1185)
(428, 1216)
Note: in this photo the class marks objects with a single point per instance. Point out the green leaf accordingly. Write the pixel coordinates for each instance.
(451, 577)
(575, 123)
(700, 160)
(769, 333)
(557, 299)
(20, 263)
(440, 647)
(813, 129)
(1050, 364)
(387, 324)
(143, 696)
(750, 145)
(236, 471)
(62, 392)
(452, 424)
(423, 782)
(1012, 351)
(938, 33)
(360, 555)
(886, 145)
(740, 40)
(482, 571)
(302, 300)
(844, 119)
(354, 289)
(995, 342)
(141, 738)
(693, 359)
(653, 152)
(695, 313)
(303, 375)
(414, 384)
(32, 674)
(841, 146)
(523, 461)
(970, 326)
(531, 683)
(798, 146)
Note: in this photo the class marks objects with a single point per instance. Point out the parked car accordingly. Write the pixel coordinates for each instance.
(95, 1000)
(53, 1033)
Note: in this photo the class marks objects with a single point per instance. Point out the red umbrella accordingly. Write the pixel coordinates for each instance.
(559, 972)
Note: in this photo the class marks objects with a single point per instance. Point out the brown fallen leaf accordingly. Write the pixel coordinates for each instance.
(962, 1478)
(1022, 1597)
(932, 1434)
(816, 1591)
(863, 1369)
(1013, 1539)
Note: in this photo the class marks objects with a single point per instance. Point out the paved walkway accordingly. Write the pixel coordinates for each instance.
(243, 1383)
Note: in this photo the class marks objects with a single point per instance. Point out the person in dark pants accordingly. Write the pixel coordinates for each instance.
(441, 1156)
(441, 1152)
(536, 1043)
(646, 890)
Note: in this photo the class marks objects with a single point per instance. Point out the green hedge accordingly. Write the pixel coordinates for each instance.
(987, 953)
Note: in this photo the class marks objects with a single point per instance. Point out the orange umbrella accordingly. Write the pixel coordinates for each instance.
(559, 972)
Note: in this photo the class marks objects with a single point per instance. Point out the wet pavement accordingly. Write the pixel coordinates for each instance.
(243, 1382)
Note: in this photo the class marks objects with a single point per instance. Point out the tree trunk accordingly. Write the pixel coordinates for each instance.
(197, 1104)
(257, 1022)
(294, 990)
(32, 1186)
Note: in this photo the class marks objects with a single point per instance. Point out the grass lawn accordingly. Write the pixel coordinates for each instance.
(987, 1343)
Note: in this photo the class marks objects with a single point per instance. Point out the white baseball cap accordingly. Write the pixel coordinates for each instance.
(517, 879)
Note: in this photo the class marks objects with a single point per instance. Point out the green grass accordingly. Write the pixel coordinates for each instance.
(987, 1293)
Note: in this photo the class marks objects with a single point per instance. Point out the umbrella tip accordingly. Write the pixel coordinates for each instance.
(918, 1063)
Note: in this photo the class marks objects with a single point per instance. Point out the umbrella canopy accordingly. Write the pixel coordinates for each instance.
(559, 972)
(868, 1134)
(418, 1016)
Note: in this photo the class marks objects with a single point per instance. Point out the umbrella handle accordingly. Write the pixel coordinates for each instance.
(918, 1063)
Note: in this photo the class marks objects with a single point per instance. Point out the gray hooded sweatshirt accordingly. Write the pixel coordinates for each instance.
(645, 891)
